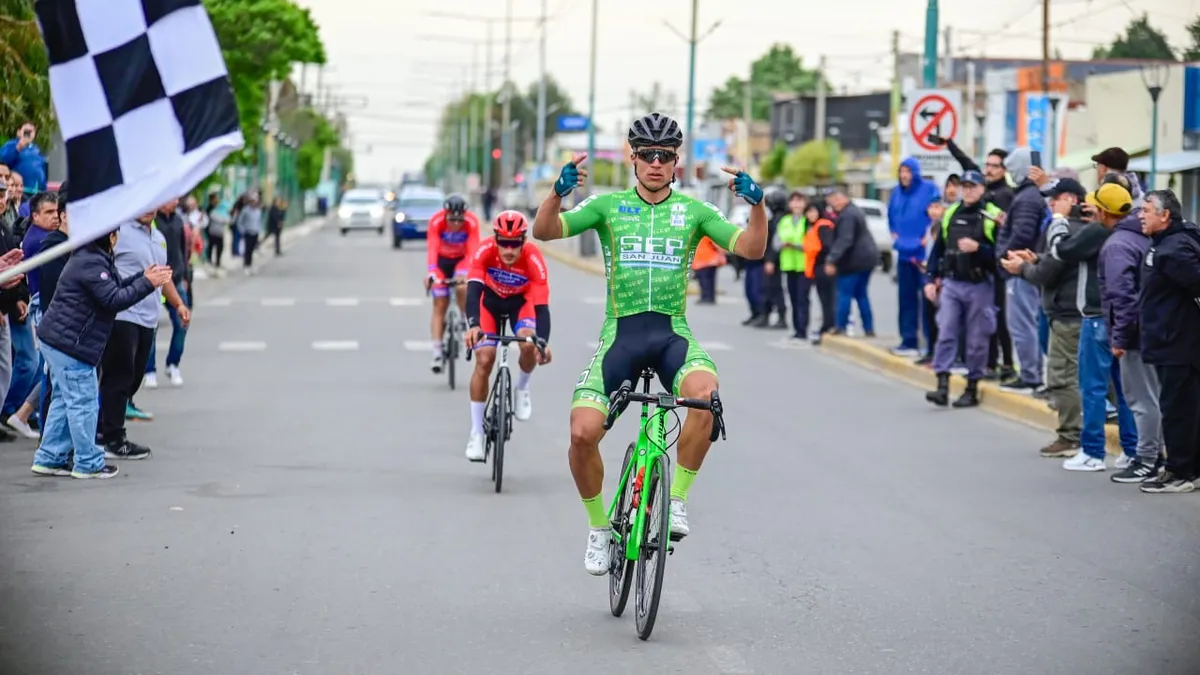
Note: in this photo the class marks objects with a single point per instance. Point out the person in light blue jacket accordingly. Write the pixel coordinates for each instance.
(908, 220)
(22, 155)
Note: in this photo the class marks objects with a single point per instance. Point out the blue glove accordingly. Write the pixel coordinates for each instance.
(568, 180)
(745, 187)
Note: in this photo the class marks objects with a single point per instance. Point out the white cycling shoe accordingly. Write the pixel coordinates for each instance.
(475, 448)
(679, 521)
(522, 404)
(597, 559)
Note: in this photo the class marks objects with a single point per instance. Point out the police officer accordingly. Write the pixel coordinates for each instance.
(963, 266)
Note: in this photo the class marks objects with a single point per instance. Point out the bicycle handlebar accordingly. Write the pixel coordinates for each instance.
(511, 339)
(624, 395)
(453, 281)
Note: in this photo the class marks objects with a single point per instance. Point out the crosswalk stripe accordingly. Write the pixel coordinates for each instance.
(342, 302)
(242, 346)
(277, 302)
(335, 345)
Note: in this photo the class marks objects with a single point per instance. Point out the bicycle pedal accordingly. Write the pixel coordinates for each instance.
(670, 550)
(675, 536)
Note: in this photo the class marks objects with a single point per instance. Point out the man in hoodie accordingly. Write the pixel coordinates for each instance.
(1022, 228)
(1059, 283)
(962, 265)
(1106, 207)
(1170, 340)
(1120, 290)
(908, 220)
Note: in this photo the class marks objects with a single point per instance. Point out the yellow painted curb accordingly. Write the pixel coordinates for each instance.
(597, 267)
(1016, 407)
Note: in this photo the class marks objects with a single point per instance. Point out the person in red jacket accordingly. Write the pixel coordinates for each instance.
(452, 237)
(509, 282)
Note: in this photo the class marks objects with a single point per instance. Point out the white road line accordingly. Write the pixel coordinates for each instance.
(728, 661)
(341, 302)
(277, 302)
(708, 346)
(406, 302)
(335, 345)
(418, 345)
(218, 302)
(242, 346)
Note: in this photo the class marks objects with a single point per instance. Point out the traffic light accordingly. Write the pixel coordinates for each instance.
(496, 153)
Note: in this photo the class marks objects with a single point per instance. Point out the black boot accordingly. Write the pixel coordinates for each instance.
(970, 396)
(942, 395)
(753, 318)
(760, 322)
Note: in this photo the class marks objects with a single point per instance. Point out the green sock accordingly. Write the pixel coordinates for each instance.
(682, 482)
(597, 516)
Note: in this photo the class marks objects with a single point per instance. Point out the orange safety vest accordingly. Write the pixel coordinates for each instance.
(812, 246)
(707, 255)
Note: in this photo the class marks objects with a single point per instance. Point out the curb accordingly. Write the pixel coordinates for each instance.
(1017, 407)
(597, 268)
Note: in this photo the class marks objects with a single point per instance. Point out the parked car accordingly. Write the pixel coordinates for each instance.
(415, 205)
(876, 213)
(362, 209)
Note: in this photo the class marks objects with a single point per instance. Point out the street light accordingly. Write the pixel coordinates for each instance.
(1154, 77)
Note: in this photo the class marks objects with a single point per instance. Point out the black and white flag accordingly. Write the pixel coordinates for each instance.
(142, 96)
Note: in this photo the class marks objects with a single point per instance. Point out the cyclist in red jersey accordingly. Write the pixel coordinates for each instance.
(452, 237)
(508, 281)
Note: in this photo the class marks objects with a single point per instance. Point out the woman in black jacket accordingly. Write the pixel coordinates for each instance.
(73, 334)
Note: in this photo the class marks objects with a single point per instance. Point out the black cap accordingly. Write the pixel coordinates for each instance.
(1114, 158)
(1064, 186)
(973, 177)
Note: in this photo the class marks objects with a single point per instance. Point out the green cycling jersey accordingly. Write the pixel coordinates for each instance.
(648, 248)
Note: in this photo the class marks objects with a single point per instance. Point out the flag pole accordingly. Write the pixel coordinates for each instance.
(56, 251)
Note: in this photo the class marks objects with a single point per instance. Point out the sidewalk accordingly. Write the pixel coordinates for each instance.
(566, 251)
(266, 249)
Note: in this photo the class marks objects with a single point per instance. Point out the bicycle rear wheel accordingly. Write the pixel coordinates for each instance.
(503, 391)
(451, 351)
(620, 574)
(655, 544)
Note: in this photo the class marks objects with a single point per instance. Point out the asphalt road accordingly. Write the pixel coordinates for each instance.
(308, 509)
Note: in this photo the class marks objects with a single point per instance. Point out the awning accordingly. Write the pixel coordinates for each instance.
(1175, 162)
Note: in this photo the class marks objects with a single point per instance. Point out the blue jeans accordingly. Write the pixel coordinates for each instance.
(853, 288)
(178, 337)
(911, 284)
(1097, 369)
(1043, 332)
(74, 409)
(754, 286)
(25, 366)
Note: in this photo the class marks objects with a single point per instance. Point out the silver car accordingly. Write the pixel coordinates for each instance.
(362, 209)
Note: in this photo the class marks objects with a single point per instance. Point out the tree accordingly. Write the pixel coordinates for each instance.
(261, 40)
(811, 164)
(1193, 52)
(772, 164)
(25, 65)
(1140, 41)
(778, 70)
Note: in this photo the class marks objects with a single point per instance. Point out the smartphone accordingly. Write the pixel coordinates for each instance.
(1035, 158)
(1076, 212)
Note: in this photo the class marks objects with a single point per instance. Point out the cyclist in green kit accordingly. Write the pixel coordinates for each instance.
(648, 235)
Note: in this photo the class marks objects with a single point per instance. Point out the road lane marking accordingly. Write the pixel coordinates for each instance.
(406, 302)
(277, 302)
(418, 345)
(708, 346)
(335, 345)
(218, 302)
(242, 346)
(341, 302)
(728, 661)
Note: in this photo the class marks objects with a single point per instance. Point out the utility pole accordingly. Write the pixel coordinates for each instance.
(947, 60)
(688, 171)
(506, 113)
(819, 131)
(931, 44)
(747, 115)
(1050, 126)
(591, 137)
(473, 129)
(540, 152)
(895, 103)
(488, 143)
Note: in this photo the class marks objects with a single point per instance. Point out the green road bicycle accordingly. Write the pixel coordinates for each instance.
(498, 418)
(456, 325)
(640, 512)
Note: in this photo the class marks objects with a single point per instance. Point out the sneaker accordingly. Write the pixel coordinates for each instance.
(926, 360)
(108, 471)
(1061, 447)
(150, 381)
(436, 364)
(132, 412)
(597, 559)
(22, 428)
(1021, 387)
(679, 521)
(175, 375)
(126, 450)
(522, 405)
(1135, 472)
(61, 470)
(1167, 483)
(906, 352)
(1042, 393)
(1084, 462)
(475, 448)
(1123, 461)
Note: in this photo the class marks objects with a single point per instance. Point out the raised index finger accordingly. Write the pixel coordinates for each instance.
(731, 170)
(579, 158)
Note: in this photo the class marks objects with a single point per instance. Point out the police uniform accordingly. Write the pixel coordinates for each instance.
(967, 303)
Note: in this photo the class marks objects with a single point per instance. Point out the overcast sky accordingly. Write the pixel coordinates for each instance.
(376, 48)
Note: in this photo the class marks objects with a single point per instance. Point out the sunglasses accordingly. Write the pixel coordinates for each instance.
(663, 156)
(510, 243)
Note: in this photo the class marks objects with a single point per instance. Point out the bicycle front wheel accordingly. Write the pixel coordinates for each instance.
(503, 391)
(620, 574)
(652, 563)
(451, 351)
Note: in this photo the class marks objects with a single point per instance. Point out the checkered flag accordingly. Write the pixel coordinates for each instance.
(143, 99)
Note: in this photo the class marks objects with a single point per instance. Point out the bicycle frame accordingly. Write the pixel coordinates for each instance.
(651, 442)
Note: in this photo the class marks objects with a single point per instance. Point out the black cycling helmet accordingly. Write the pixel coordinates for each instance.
(777, 200)
(455, 205)
(655, 129)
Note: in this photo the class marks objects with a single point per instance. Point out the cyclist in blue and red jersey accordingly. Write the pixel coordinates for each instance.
(452, 237)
